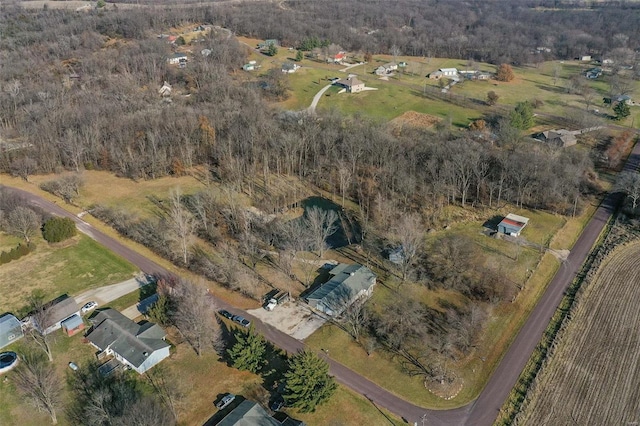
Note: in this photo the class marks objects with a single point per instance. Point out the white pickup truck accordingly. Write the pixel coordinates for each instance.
(276, 300)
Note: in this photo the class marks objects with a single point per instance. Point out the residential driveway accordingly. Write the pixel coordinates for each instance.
(140, 308)
(316, 99)
(104, 295)
(293, 318)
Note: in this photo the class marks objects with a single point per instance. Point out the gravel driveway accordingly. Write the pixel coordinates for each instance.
(293, 318)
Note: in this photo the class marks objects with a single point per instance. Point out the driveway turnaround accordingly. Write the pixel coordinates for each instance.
(481, 412)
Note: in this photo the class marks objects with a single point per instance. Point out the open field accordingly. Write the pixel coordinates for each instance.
(592, 376)
(68, 267)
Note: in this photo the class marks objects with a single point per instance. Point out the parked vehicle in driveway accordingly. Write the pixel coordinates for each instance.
(89, 306)
(226, 400)
(241, 320)
(277, 403)
(226, 314)
(278, 299)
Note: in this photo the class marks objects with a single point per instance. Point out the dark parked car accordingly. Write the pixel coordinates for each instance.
(242, 321)
(226, 314)
(277, 404)
(226, 400)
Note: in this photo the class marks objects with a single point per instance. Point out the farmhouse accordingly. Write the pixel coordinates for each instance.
(54, 313)
(140, 346)
(386, 69)
(474, 75)
(352, 84)
(593, 73)
(443, 72)
(585, 58)
(347, 284)
(10, 330)
(177, 58)
(561, 138)
(267, 43)
(290, 67)
(512, 224)
(338, 58)
(615, 99)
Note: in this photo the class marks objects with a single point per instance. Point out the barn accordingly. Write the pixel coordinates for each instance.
(512, 224)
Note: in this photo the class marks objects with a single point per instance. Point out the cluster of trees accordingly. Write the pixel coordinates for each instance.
(442, 29)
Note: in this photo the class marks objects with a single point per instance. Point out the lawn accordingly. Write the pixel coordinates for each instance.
(68, 267)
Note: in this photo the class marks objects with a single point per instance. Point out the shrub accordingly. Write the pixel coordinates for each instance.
(16, 253)
(58, 229)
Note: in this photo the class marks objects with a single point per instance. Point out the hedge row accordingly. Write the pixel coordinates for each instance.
(16, 253)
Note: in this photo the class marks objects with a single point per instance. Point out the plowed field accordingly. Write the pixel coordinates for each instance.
(593, 377)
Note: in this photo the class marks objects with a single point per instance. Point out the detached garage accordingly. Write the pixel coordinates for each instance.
(10, 330)
(512, 224)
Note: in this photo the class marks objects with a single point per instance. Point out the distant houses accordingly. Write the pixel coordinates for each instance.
(593, 73)
(386, 69)
(475, 75)
(338, 58)
(178, 58)
(443, 72)
(289, 67)
(267, 43)
(251, 66)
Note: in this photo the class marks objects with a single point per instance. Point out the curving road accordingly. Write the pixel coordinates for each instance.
(481, 412)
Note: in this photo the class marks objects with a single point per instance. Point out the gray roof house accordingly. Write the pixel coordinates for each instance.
(250, 413)
(347, 284)
(351, 84)
(561, 138)
(140, 346)
(55, 312)
(10, 330)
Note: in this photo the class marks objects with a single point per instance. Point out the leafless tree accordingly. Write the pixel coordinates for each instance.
(344, 175)
(322, 224)
(194, 317)
(250, 247)
(40, 320)
(38, 381)
(410, 234)
(23, 167)
(23, 222)
(168, 388)
(181, 225)
(629, 183)
(66, 187)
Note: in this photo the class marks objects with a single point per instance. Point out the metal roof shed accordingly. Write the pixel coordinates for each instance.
(512, 224)
(10, 330)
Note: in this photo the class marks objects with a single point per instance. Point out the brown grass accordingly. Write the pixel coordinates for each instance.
(414, 119)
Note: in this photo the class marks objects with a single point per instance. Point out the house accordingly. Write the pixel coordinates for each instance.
(585, 58)
(560, 138)
(402, 64)
(165, 90)
(397, 255)
(290, 67)
(72, 325)
(474, 75)
(594, 73)
(172, 39)
(54, 313)
(10, 330)
(352, 84)
(140, 346)
(512, 224)
(337, 58)
(177, 58)
(347, 284)
(250, 413)
(268, 42)
(615, 99)
(386, 68)
(443, 72)
(251, 66)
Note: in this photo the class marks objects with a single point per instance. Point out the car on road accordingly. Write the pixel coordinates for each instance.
(226, 314)
(226, 400)
(241, 320)
(89, 306)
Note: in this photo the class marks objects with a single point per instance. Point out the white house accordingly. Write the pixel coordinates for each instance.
(448, 72)
(177, 58)
(289, 67)
(138, 346)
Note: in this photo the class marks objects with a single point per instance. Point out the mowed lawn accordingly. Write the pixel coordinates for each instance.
(68, 267)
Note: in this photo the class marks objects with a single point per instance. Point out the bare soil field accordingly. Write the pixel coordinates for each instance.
(415, 119)
(592, 378)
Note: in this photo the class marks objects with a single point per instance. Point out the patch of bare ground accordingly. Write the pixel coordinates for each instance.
(593, 374)
(414, 119)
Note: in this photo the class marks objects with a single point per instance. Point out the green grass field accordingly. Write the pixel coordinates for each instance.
(69, 267)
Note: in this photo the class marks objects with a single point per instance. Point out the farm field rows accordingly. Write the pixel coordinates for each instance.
(592, 377)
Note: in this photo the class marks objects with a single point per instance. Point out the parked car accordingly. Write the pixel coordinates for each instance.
(89, 306)
(226, 400)
(242, 321)
(226, 314)
(73, 366)
(278, 403)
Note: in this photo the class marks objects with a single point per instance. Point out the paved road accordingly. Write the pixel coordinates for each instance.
(481, 412)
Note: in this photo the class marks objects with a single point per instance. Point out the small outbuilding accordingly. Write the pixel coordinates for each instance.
(54, 313)
(72, 325)
(10, 330)
(512, 224)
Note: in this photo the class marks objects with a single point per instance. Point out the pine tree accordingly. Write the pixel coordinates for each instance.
(308, 382)
(249, 351)
(299, 56)
(622, 110)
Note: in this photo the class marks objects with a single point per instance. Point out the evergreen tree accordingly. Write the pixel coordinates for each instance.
(308, 382)
(522, 116)
(58, 229)
(272, 50)
(299, 56)
(249, 351)
(621, 110)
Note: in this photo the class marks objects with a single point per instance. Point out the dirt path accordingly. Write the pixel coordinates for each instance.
(316, 99)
